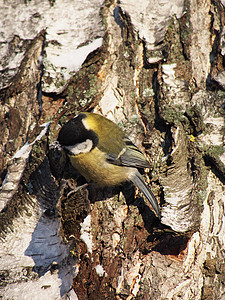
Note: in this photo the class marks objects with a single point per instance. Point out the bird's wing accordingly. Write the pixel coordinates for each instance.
(129, 156)
(119, 150)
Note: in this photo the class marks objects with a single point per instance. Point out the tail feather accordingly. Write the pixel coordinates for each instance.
(139, 182)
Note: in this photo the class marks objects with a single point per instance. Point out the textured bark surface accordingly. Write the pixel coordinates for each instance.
(157, 69)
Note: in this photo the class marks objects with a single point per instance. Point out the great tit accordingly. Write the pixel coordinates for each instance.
(100, 152)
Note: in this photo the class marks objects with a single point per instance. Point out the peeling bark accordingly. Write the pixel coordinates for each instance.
(159, 75)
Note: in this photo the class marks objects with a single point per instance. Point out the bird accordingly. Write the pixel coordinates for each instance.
(99, 150)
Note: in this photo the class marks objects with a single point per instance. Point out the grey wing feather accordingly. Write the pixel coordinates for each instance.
(130, 156)
(134, 158)
(139, 182)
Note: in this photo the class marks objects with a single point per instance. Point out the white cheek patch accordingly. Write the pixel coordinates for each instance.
(79, 148)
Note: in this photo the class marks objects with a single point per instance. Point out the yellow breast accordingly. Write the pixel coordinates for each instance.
(94, 167)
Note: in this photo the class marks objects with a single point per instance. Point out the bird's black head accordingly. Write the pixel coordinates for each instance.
(74, 132)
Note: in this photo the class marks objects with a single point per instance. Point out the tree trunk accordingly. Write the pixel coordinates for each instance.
(156, 68)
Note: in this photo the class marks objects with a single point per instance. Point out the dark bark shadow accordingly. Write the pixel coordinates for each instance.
(216, 166)
(47, 248)
(161, 238)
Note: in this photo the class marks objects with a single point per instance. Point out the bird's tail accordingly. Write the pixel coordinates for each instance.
(139, 182)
